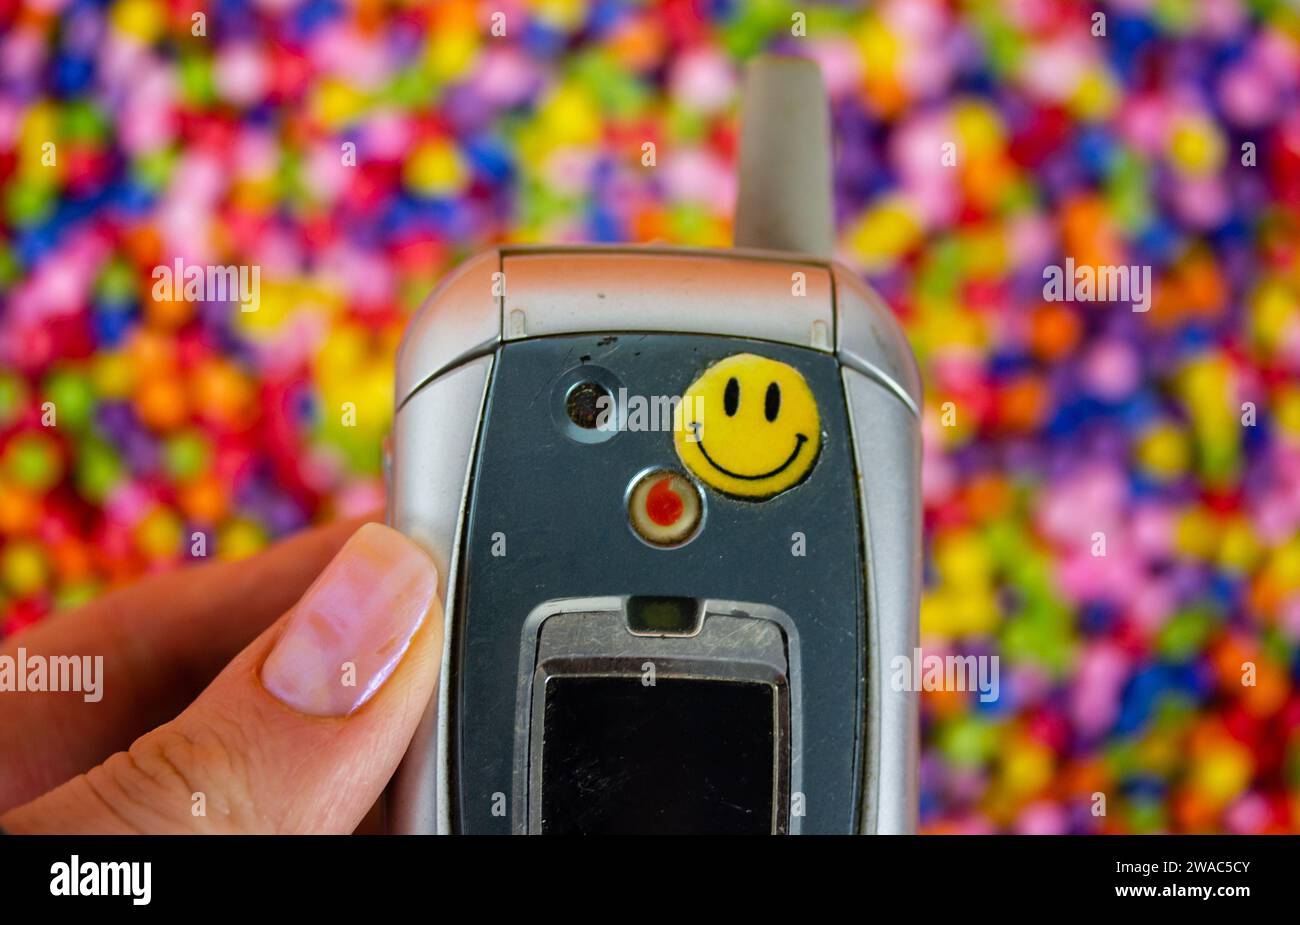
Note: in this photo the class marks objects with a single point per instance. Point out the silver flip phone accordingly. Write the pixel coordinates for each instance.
(673, 495)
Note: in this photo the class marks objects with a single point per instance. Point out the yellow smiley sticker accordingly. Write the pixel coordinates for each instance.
(749, 427)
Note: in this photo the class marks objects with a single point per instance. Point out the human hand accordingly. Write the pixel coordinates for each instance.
(300, 728)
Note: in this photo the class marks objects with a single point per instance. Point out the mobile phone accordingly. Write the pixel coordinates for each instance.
(673, 495)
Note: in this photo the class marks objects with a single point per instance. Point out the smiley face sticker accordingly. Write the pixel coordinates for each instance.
(749, 427)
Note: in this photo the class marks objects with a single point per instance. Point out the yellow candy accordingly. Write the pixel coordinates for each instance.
(455, 41)
(884, 234)
(936, 615)
(976, 613)
(985, 253)
(361, 407)
(943, 324)
(159, 534)
(1223, 772)
(341, 354)
(1196, 147)
(947, 614)
(143, 19)
(880, 48)
(962, 560)
(1208, 388)
(1286, 410)
(980, 132)
(39, 126)
(240, 539)
(1274, 313)
(1283, 566)
(570, 116)
(1239, 550)
(282, 298)
(563, 14)
(435, 168)
(113, 375)
(335, 103)
(1163, 452)
(1026, 767)
(1205, 385)
(1196, 533)
(24, 569)
(1096, 96)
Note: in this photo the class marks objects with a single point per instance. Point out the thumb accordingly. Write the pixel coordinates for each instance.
(300, 732)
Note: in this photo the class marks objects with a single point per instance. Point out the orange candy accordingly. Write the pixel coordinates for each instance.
(72, 561)
(1021, 404)
(169, 314)
(221, 393)
(650, 225)
(1193, 812)
(1054, 331)
(151, 351)
(1089, 232)
(1266, 695)
(1081, 779)
(205, 500)
(20, 510)
(160, 402)
(987, 497)
(942, 703)
(638, 46)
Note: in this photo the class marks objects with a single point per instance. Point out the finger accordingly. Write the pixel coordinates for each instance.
(300, 732)
(162, 641)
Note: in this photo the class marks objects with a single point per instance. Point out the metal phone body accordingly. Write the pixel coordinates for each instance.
(541, 575)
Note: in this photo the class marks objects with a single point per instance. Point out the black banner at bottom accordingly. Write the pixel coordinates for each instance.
(933, 874)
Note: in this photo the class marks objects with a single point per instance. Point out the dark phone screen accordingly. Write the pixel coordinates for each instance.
(683, 756)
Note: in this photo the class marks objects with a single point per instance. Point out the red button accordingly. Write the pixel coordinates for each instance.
(665, 507)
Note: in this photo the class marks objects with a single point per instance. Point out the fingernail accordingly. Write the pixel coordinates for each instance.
(353, 625)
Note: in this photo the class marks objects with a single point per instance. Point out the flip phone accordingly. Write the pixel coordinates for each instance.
(673, 497)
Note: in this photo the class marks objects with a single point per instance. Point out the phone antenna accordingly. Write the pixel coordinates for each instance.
(785, 158)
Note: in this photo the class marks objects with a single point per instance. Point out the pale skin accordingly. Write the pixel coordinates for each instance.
(193, 703)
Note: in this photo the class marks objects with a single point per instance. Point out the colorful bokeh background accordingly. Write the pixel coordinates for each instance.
(1173, 140)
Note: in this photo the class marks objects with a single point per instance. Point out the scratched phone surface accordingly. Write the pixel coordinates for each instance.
(556, 507)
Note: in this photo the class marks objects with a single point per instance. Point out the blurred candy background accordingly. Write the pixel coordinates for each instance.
(355, 152)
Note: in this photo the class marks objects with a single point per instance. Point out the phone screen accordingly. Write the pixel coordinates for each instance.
(684, 756)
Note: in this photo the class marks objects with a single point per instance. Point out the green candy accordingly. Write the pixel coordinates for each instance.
(83, 122)
(1184, 635)
(746, 35)
(32, 460)
(9, 268)
(153, 168)
(688, 221)
(75, 595)
(1147, 817)
(411, 89)
(968, 741)
(116, 283)
(73, 397)
(98, 471)
(197, 86)
(1173, 711)
(186, 455)
(620, 94)
(27, 202)
(13, 395)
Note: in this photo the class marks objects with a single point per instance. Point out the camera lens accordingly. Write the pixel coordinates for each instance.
(584, 406)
